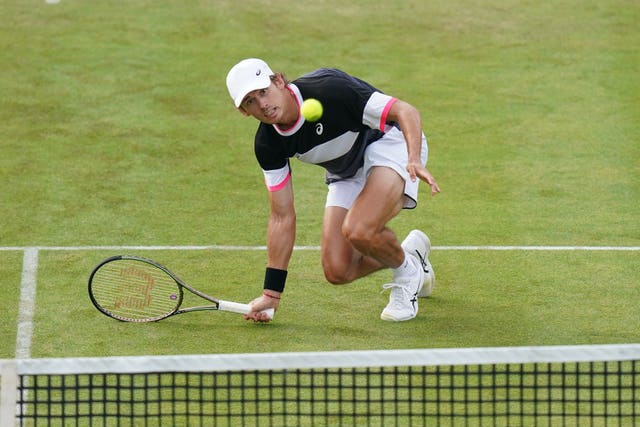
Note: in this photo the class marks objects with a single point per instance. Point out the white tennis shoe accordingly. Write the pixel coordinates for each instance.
(418, 244)
(403, 301)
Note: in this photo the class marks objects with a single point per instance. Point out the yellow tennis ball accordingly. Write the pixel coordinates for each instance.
(311, 110)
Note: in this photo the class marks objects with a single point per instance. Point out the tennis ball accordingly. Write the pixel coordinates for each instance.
(311, 110)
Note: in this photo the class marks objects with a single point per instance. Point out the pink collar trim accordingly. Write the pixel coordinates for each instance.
(298, 124)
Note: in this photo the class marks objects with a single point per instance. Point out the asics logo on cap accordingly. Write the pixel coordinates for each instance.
(258, 72)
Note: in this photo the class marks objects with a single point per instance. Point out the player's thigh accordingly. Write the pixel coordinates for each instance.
(380, 201)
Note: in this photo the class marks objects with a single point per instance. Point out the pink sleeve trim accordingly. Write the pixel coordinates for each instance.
(280, 185)
(385, 112)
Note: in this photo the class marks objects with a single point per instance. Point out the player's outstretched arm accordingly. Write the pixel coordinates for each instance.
(281, 235)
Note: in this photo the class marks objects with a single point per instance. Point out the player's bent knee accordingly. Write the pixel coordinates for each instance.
(335, 277)
(334, 274)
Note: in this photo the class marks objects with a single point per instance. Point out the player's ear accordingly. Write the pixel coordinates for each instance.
(278, 80)
(243, 111)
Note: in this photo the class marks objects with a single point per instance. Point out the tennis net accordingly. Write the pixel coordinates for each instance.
(509, 386)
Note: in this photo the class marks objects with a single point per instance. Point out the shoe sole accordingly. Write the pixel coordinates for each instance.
(429, 283)
(393, 319)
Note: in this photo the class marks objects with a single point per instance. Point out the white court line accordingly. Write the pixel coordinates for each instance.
(27, 303)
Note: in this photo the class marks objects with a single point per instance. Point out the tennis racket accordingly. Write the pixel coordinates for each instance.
(136, 289)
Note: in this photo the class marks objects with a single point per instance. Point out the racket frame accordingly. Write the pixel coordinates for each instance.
(218, 304)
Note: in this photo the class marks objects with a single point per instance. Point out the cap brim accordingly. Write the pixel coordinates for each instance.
(263, 83)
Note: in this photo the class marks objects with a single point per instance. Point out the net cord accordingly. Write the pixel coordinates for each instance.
(330, 359)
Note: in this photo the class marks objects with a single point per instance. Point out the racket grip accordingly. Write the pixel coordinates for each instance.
(236, 307)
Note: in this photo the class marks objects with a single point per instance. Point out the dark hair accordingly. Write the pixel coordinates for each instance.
(276, 75)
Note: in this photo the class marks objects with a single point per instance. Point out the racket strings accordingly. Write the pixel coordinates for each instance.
(135, 290)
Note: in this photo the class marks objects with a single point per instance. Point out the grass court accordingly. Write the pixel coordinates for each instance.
(117, 132)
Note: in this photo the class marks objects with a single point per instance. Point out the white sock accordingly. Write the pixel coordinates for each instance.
(406, 269)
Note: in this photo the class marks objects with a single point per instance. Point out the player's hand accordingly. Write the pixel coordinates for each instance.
(269, 299)
(416, 170)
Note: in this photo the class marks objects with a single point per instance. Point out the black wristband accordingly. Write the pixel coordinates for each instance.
(274, 279)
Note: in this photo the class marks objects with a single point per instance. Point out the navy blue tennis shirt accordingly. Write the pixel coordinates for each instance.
(354, 116)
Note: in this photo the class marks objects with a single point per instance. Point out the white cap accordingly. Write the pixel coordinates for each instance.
(246, 76)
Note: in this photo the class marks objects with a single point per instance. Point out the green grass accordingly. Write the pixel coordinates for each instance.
(594, 302)
(10, 273)
(117, 130)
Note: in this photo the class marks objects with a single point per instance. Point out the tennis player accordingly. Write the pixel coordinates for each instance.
(374, 153)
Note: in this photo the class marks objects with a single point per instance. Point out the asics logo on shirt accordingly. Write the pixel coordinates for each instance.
(319, 128)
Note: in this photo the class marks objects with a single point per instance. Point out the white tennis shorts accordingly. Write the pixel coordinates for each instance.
(389, 151)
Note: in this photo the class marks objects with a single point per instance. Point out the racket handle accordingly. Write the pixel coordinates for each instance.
(237, 307)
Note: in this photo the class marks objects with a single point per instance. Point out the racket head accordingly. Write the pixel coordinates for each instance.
(134, 289)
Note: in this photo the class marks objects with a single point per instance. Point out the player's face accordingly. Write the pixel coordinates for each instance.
(272, 105)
